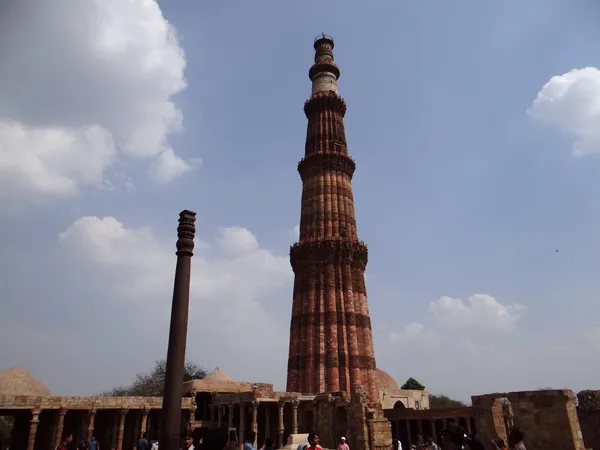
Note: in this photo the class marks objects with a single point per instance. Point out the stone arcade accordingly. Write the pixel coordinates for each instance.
(334, 385)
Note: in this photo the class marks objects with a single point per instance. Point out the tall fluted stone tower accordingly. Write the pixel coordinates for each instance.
(331, 344)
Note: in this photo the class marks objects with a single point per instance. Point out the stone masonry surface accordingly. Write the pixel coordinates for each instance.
(331, 343)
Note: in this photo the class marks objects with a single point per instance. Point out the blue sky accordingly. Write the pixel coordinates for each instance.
(458, 189)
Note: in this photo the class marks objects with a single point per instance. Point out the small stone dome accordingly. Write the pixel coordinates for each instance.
(218, 375)
(386, 381)
(18, 381)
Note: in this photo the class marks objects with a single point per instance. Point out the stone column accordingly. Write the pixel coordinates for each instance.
(420, 428)
(59, 427)
(91, 424)
(243, 415)
(33, 426)
(192, 418)
(171, 407)
(315, 423)
(267, 422)
(434, 432)
(144, 422)
(213, 413)
(281, 424)
(220, 416)
(295, 404)
(230, 407)
(255, 420)
(468, 419)
(121, 433)
(408, 432)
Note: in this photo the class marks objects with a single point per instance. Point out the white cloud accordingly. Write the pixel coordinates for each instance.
(571, 103)
(229, 319)
(84, 85)
(296, 232)
(237, 240)
(480, 311)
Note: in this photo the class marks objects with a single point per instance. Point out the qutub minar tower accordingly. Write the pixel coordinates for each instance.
(331, 343)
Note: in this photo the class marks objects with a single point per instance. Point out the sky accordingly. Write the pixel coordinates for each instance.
(474, 125)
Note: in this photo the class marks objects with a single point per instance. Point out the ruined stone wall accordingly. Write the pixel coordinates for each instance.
(548, 419)
(588, 411)
(489, 420)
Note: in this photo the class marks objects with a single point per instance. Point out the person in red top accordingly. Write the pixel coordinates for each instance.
(313, 441)
(66, 440)
(343, 445)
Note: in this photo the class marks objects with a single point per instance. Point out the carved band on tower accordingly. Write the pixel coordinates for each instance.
(331, 343)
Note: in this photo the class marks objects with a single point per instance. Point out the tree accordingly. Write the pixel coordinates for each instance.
(441, 401)
(151, 384)
(413, 384)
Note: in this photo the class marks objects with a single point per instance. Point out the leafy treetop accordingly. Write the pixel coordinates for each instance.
(441, 401)
(413, 384)
(151, 384)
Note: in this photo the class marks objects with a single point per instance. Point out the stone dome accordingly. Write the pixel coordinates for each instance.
(18, 381)
(218, 375)
(386, 381)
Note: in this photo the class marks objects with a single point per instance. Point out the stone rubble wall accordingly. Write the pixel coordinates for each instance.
(588, 411)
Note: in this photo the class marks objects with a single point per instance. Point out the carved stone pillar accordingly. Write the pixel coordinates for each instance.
(59, 426)
(267, 421)
(255, 420)
(408, 432)
(315, 423)
(295, 404)
(281, 424)
(243, 415)
(91, 424)
(192, 418)
(230, 408)
(33, 426)
(420, 428)
(144, 422)
(220, 416)
(121, 433)
(434, 432)
(213, 413)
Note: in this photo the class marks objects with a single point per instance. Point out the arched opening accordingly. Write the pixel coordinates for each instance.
(399, 405)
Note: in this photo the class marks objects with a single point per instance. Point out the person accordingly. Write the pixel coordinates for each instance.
(250, 438)
(67, 438)
(269, 444)
(429, 444)
(142, 443)
(515, 439)
(498, 444)
(452, 437)
(216, 439)
(343, 445)
(396, 444)
(153, 444)
(313, 441)
(188, 442)
(94, 443)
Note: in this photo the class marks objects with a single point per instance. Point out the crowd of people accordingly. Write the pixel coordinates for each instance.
(452, 437)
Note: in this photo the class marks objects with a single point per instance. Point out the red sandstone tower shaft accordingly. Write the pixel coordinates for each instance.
(331, 344)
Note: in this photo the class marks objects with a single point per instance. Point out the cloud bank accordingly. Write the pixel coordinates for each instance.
(86, 85)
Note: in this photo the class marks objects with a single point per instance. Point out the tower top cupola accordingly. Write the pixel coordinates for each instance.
(324, 73)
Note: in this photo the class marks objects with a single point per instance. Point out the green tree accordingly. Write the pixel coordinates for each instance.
(413, 384)
(151, 384)
(441, 401)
